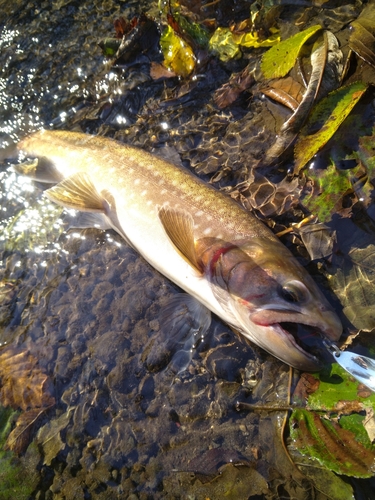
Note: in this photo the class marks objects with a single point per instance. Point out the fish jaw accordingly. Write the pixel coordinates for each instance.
(323, 319)
(284, 346)
(321, 322)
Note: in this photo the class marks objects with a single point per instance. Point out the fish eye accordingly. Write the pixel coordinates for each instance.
(293, 292)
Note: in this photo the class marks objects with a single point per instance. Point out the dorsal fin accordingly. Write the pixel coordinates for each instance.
(179, 226)
(77, 192)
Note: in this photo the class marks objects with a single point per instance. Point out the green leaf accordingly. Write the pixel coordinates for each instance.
(110, 46)
(336, 385)
(340, 445)
(280, 59)
(197, 32)
(326, 481)
(12, 469)
(366, 153)
(324, 120)
(331, 184)
(330, 445)
(354, 423)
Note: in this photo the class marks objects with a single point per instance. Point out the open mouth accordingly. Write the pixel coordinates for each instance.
(309, 339)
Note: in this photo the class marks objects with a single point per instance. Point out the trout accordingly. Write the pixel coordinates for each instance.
(199, 238)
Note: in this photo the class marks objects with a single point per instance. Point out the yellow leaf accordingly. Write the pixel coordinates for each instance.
(178, 55)
(253, 40)
(223, 44)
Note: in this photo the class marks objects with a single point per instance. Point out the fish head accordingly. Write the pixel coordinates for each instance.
(277, 304)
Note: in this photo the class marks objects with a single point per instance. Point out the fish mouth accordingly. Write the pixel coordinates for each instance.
(308, 340)
(297, 339)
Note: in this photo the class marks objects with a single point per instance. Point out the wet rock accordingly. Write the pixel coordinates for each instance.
(62, 366)
(135, 301)
(227, 362)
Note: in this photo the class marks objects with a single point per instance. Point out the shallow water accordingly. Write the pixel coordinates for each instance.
(85, 307)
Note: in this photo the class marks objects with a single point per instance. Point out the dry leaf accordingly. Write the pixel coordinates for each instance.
(19, 439)
(49, 436)
(286, 91)
(23, 386)
(369, 423)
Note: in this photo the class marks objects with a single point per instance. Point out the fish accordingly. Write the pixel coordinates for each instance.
(229, 261)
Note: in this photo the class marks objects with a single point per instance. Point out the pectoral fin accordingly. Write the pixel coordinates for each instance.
(79, 193)
(183, 321)
(86, 220)
(179, 227)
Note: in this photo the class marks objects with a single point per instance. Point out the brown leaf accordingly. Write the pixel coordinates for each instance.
(326, 69)
(362, 39)
(121, 27)
(228, 93)
(19, 439)
(210, 462)
(159, 71)
(317, 238)
(23, 384)
(369, 423)
(286, 91)
(306, 385)
(362, 42)
(265, 196)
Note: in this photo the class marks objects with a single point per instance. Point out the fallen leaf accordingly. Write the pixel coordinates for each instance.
(178, 55)
(192, 32)
(353, 280)
(49, 436)
(229, 92)
(23, 386)
(317, 238)
(369, 423)
(210, 462)
(324, 480)
(286, 91)
(280, 59)
(366, 153)
(326, 69)
(362, 39)
(159, 71)
(223, 45)
(330, 429)
(324, 120)
(330, 445)
(252, 39)
(19, 439)
(329, 187)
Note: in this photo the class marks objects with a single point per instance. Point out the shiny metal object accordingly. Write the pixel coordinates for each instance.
(360, 367)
